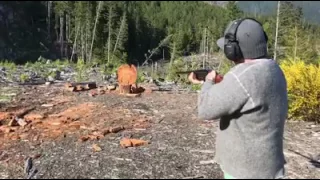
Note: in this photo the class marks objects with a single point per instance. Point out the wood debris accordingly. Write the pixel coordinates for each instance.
(125, 142)
(80, 86)
(116, 129)
(32, 117)
(111, 87)
(133, 95)
(96, 148)
(5, 115)
(47, 105)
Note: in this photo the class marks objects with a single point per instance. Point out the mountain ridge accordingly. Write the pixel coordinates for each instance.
(310, 9)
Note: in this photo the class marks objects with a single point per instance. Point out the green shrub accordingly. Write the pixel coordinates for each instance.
(24, 78)
(11, 68)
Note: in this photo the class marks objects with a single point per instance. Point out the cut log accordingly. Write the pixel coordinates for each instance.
(80, 86)
(84, 84)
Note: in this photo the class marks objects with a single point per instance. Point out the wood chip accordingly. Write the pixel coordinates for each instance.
(111, 87)
(96, 148)
(84, 138)
(116, 129)
(105, 131)
(100, 135)
(138, 142)
(79, 88)
(54, 115)
(55, 122)
(71, 89)
(47, 105)
(125, 142)
(75, 124)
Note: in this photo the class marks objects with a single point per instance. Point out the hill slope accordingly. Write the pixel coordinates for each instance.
(311, 9)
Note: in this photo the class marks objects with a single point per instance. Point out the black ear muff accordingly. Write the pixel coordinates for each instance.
(231, 47)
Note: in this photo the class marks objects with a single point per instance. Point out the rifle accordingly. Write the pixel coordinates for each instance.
(201, 74)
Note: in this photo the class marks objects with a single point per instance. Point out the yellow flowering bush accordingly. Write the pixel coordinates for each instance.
(303, 84)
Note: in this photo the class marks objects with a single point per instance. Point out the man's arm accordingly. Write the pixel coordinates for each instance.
(221, 99)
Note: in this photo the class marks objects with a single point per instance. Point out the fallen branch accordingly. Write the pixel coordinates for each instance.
(94, 28)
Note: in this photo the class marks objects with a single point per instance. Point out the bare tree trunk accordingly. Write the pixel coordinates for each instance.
(204, 48)
(152, 69)
(49, 19)
(109, 33)
(67, 35)
(207, 45)
(87, 34)
(162, 54)
(173, 54)
(86, 40)
(67, 27)
(56, 27)
(82, 43)
(162, 43)
(119, 34)
(75, 41)
(61, 36)
(94, 28)
(277, 29)
(295, 43)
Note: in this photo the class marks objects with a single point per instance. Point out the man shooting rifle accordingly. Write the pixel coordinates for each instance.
(251, 103)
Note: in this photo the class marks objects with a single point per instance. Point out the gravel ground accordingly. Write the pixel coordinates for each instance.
(180, 146)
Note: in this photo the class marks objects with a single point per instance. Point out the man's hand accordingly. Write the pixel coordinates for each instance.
(192, 78)
(211, 76)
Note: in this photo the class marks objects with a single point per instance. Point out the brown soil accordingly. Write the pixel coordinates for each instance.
(155, 135)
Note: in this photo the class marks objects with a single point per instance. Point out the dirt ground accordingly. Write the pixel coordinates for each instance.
(74, 135)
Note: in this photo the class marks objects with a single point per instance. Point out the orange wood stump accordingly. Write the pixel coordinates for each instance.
(127, 78)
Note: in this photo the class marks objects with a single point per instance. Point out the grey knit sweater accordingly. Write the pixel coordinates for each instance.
(251, 103)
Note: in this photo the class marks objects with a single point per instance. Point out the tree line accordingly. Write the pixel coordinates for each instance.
(138, 31)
